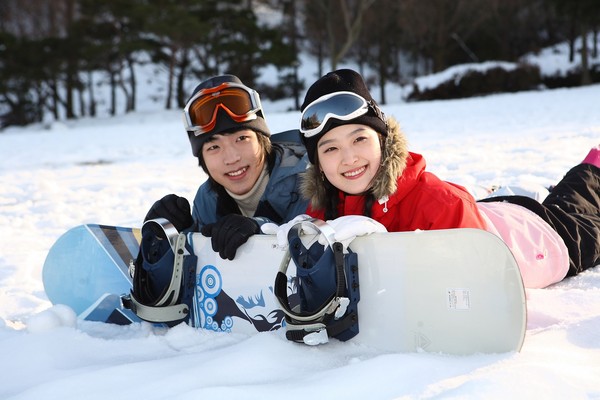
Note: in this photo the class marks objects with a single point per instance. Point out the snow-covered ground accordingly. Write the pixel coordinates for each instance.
(111, 171)
(57, 175)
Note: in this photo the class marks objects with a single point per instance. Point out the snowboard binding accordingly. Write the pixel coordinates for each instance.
(327, 286)
(163, 275)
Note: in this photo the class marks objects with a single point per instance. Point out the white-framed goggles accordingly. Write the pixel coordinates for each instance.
(344, 106)
(239, 101)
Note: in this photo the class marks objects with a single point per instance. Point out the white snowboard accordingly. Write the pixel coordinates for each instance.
(452, 291)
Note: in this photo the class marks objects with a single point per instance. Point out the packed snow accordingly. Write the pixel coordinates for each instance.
(55, 176)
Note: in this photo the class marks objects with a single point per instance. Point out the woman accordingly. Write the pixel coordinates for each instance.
(360, 165)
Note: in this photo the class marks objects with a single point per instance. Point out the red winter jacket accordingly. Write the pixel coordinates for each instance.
(422, 201)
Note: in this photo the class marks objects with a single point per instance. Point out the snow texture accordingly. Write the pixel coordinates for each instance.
(54, 176)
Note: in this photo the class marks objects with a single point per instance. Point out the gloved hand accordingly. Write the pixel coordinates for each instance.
(348, 227)
(174, 208)
(229, 233)
(282, 230)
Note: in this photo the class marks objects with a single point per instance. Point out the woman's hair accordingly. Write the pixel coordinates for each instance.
(332, 192)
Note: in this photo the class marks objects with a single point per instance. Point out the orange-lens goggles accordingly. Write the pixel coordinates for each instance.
(240, 102)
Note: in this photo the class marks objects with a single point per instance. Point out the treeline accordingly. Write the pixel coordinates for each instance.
(51, 51)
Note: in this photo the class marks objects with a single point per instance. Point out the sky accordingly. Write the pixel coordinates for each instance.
(58, 175)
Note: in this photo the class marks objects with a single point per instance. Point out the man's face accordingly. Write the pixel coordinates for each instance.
(234, 160)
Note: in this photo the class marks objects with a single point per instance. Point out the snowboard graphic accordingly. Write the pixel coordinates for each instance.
(453, 291)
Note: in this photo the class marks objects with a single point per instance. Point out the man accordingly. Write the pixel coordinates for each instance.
(251, 180)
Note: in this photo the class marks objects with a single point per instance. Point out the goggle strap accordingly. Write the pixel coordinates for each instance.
(380, 114)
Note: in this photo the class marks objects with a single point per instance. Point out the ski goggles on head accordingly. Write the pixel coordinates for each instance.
(240, 102)
(344, 106)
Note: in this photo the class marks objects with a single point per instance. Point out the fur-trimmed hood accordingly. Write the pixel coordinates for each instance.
(393, 162)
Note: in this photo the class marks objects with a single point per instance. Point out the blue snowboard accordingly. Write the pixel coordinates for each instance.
(88, 269)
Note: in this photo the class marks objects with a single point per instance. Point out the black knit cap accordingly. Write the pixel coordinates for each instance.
(224, 122)
(342, 80)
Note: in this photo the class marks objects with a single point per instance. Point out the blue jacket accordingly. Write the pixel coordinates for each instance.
(281, 201)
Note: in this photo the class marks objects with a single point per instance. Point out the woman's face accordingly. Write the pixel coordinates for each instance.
(349, 156)
(234, 160)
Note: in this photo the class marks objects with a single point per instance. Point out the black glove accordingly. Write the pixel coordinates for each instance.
(229, 233)
(174, 208)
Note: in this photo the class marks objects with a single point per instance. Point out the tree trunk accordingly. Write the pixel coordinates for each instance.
(294, 40)
(80, 94)
(572, 37)
(183, 67)
(352, 25)
(92, 110)
(382, 73)
(121, 83)
(595, 50)
(585, 68)
(71, 70)
(170, 80)
(113, 94)
(55, 100)
(132, 85)
(320, 61)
